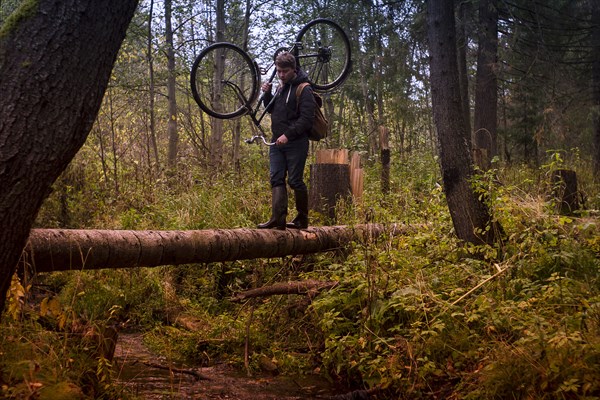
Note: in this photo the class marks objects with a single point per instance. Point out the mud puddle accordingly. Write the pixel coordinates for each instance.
(142, 373)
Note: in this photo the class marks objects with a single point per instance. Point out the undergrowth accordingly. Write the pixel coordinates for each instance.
(416, 315)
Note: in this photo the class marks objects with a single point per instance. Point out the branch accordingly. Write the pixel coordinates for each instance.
(497, 274)
(295, 287)
(193, 373)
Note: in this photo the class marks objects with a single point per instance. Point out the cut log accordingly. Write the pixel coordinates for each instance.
(64, 249)
(336, 175)
(296, 287)
(329, 183)
(565, 192)
(332, 156)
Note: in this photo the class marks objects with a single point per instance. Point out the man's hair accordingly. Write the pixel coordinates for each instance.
(285, 60)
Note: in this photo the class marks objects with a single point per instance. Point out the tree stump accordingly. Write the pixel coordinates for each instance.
(329, 183)
(336, 175)
(564, 191)
(357, 177)
(384, 144)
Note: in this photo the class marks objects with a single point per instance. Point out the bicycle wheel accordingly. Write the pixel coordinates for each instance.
(224, 81)
(323, 51)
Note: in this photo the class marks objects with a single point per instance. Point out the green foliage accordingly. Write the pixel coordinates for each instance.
(48, 352)
(137, 295)
(417, 315)
(409, 322)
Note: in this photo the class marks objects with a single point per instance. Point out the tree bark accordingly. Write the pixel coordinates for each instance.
(470, 216)
(237, 126)
(216, 138)
(56, 57)
(595, 10)
(172, 97)
(384, 144)
(486, 87)
(151, 91)
(112, 118)
(369, 106)
(59, 250)
(297, 287)
(565, 192)
(329, 183)
(462, 39)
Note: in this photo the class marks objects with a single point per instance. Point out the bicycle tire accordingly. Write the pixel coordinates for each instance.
(324, 53)
(224, 81)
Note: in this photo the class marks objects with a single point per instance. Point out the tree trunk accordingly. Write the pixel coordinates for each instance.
(237, 126)
(464, 10)
(216, 138)
(64, 249)
(55, 63)
(470, 216)
(113, 142)
(486, 87)
(151, 90)
(379, 78)
(384, 144)
(595, 5)
(370, 112)
(172, 123)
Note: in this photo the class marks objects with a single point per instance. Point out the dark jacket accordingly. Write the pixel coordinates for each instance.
(285, 119)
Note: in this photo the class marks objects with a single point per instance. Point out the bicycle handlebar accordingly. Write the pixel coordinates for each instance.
(255, 138)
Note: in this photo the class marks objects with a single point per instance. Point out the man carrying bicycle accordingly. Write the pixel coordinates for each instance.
(290, 124)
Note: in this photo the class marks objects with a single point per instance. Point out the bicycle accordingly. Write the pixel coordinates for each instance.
(225, 80)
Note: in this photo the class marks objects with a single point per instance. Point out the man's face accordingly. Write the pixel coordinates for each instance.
(285, 74)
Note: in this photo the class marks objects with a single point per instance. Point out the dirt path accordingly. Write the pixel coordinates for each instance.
(152, 383)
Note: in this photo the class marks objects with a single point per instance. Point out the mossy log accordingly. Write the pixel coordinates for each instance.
(64, 249)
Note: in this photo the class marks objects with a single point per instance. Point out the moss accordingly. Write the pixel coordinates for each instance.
(61, 391)
(25, 10)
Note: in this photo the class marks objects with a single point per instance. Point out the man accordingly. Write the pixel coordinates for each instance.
(290, 124)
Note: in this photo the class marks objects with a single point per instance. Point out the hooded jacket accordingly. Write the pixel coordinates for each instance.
(286, 118)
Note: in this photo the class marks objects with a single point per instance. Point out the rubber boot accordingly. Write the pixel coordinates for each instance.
(301, 220)
(279, 202)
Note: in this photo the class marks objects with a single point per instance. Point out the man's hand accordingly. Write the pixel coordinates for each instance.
(266, 87)
(281, 140)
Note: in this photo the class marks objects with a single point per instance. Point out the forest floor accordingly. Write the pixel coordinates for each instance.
(143, 375)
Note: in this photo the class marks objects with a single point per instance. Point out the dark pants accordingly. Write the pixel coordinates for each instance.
(289, 160)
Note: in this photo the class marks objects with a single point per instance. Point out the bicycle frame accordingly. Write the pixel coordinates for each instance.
(254, 112)
(315, 48)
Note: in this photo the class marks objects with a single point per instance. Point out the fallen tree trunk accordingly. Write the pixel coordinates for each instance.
(63, 249)
(197, 376)
(296, 287)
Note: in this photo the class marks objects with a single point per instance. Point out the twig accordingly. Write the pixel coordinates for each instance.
(500, 272)
(247, 343)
